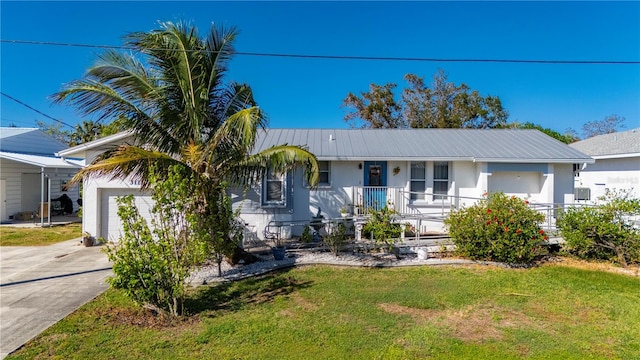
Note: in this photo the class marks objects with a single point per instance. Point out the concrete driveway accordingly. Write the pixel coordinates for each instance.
(41, 285)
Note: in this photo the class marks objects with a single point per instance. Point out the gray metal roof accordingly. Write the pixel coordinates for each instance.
(624, 142)
(28, 141)
(41, 161)
(503, 145)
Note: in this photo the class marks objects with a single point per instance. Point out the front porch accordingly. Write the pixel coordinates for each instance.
(426, 210)
(366, 198)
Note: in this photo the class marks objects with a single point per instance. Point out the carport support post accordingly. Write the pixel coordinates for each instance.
(48, 200)
(41, 196)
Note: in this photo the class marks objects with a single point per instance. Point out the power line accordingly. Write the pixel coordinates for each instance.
(347, 57)
(36, 110)
(6, 120)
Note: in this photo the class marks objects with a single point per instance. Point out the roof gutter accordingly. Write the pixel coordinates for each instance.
(537, 161)
(615, 156)
(95, 143)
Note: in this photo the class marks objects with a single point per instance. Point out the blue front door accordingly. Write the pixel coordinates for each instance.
(375, 182)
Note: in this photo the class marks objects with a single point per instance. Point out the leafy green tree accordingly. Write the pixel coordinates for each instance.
(566, 138)
(181, 109)
(375, 109)
(443, 105)
(151, 263)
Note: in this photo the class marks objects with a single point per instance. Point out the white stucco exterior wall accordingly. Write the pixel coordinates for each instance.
(467, 182)
(613, 174)
(92, 204)
(563, 182)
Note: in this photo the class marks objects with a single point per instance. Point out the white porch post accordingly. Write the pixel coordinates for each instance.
(484, 178)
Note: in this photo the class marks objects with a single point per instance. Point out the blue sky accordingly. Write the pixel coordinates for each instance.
(309, 92)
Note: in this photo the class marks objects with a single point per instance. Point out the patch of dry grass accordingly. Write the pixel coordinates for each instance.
(633, 270)
(38, 236)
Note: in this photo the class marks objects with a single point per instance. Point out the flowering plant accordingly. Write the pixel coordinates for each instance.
(499, 228)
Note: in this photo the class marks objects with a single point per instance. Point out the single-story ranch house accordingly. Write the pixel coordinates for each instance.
(30, 173)
(617, 166)
(422, 173)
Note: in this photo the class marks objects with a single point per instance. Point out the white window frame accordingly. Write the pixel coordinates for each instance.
(328, 171)
(305, 183)
(415, 197)
(271, 177)
(437, 197)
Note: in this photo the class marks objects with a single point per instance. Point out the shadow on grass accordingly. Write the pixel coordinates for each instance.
(233, 296)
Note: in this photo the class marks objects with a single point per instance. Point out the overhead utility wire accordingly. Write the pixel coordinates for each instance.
(36, 110)
(345, 57)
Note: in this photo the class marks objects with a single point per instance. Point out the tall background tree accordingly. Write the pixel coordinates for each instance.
(86, 131)
(608, 125)
(442, 105)
(183, 112)
(568, 137)
(54, 130)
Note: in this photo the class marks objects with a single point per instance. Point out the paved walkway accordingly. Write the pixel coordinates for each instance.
(41, 285)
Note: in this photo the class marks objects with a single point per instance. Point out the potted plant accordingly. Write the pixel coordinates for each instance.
(87, 239)
(278, 248)
(344, 211)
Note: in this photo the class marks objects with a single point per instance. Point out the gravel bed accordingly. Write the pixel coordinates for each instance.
(209, 273)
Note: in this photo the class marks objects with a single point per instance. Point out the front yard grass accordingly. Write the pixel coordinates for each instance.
(39, 236)
(320, 312)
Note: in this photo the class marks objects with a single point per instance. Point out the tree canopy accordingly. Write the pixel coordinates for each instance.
(180, 108)
(442, 105)
(608, 125)
(86, 131)
(184, 114)
(566, 138)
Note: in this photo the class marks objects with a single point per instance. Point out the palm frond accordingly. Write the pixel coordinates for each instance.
(127, 162)
(238, 133)
(280, 159)
(177, 103)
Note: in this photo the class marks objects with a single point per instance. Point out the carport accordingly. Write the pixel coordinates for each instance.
(31, 181)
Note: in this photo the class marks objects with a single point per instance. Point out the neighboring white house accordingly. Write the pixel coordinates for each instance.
(617, 165)
(31, 174)
(420, 172)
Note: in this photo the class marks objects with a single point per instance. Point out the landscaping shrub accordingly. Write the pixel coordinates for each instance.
(382, 228)
(498, 228)
(306, 236)
(336, 237)
(151, 264)
(605, 231)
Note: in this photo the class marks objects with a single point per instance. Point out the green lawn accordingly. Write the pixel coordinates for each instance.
(39, 236)
(549, 312)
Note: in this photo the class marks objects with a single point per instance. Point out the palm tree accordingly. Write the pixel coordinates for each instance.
(181, 110)
(85, 132)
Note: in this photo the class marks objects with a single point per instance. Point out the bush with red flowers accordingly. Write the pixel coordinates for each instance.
(498, 228)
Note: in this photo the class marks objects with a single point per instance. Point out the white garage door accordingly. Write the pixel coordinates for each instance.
(111, 225)
(522, 184)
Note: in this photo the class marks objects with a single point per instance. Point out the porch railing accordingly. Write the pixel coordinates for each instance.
(376, 197)
(367, 198)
